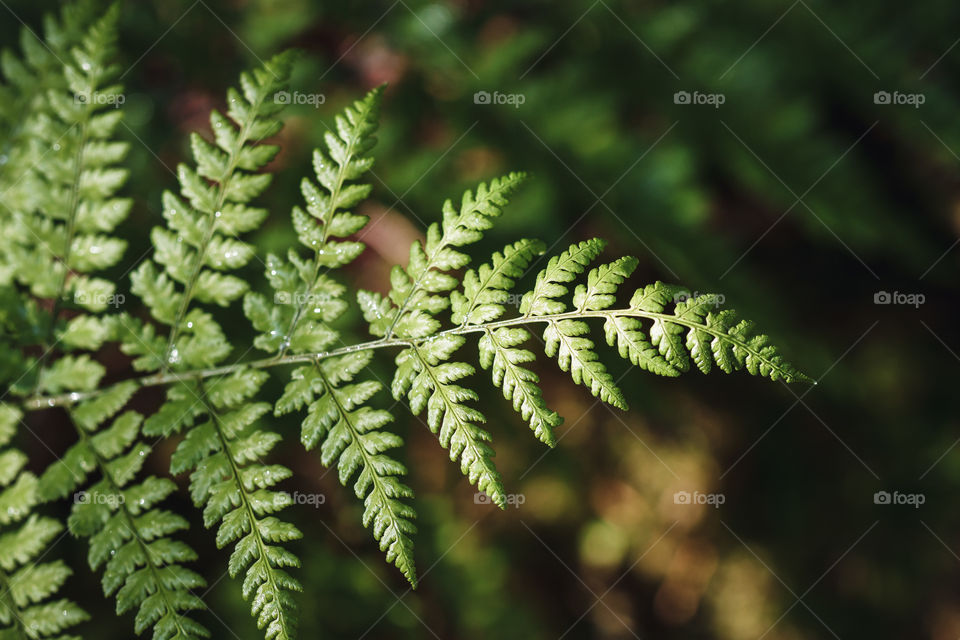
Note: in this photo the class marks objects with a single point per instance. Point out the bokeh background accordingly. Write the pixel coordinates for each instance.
(800, 197)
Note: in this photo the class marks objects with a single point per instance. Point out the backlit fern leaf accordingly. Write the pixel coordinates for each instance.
(426, 377)
(235, 491)
(222, 444)
(306, 302)
(485, 294)
(353, 438)
(130, 537)
(27, 586)
(200, 246)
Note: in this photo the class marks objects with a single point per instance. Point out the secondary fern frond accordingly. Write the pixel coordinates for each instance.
(234, 489)
(67, 237)
(353, 438)
(222, 445)
(26, 586)
(420, 292)
(306, 302)
(484, 297)
(426, 377)
(130, 537)
(24, 96)
(200, 247)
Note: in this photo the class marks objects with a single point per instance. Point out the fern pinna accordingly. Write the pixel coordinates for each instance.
(62, 209)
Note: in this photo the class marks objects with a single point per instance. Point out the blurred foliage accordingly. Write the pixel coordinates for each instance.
(798, 198)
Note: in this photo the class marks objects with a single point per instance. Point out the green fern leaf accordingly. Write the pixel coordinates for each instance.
(26, 584)
(129, 536)
(234, 489)
(426, 378)
(561, 269)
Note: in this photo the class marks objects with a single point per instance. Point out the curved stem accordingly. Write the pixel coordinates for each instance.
(42, 402)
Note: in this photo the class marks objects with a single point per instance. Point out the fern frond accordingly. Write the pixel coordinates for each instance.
(29, 79)
(484, 297)
(519, 384)
(698, 329)
(26, 585)
(426, 378)
(420, 292)
(306, 300)
(234, 489)
(67, 236)
(130, 537)
(417, 294)
(564, 339)
(353, 438)
(197, 252)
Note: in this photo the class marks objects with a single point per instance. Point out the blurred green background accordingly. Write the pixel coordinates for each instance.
(800, 197)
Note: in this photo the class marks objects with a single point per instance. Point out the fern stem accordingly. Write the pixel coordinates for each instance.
(37, 402)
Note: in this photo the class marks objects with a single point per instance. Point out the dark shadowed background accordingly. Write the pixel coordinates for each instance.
(799, 158)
